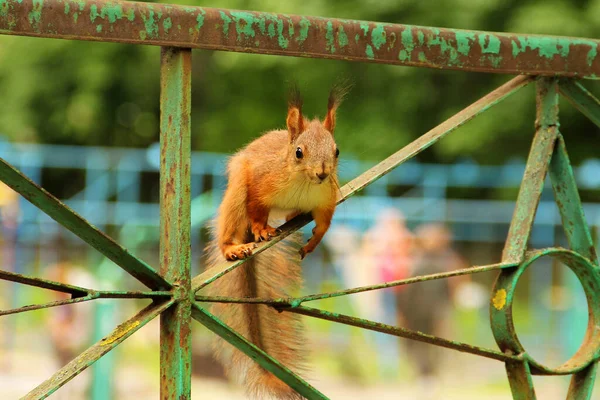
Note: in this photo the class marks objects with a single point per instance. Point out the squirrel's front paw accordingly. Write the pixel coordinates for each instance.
(266, 233)
(239, 251)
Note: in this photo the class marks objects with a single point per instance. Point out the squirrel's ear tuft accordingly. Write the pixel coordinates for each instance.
(295, 120)
(336, 95)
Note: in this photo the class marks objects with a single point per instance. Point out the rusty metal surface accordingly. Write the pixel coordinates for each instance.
(535, 171)
(175, 225)
(75, 291)
(293, 35)
(402, 332)
(96, 351)
(379, 170)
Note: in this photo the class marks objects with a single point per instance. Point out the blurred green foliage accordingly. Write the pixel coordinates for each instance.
(57, 91)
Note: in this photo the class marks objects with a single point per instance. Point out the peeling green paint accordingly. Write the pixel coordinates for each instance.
(67, 7)
(226, 21)
(463, 42)
(98, 28)
(130, 15)
(378, 36)
(167, 24)
(342, 37)
(112, 11)
(35, 15)
(143, 35)
(422, 57)
(369, 52)
(330, 38)
(243, 23)
(420, 37)
(150, 23)
(199, 20)
(304, 25)
(546, 47)
(3, 7)
(356, 38)
(94, 13)
(75, 16)
(406, 38)
(271, 30)
(489, 44)
(365, 27)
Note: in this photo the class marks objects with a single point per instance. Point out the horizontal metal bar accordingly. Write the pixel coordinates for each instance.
(48, 305)
(581, 98)
(376, 172)
(295, 302)
(401, 332)
(75, 291)
(96, 351)
(293, 35)
(256, 354)
(80, 227)
(131, 295)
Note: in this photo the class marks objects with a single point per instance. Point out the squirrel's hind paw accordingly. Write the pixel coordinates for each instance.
(265, 234)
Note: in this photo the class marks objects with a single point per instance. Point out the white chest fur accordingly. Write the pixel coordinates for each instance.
(303, 196)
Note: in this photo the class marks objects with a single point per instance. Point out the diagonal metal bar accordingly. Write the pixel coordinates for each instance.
(376, 172)
(581, 98)
(79, 226)
(520, 380)
(256, 354)
(294, 302)
(110, 294)
(48, 305)
(401, 332)
(569, 203)
(582, 383)
(303, 36)
(535, 171)
(92, 354)
(75, 291)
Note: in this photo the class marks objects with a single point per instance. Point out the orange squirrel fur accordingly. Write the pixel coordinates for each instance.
(280, 175)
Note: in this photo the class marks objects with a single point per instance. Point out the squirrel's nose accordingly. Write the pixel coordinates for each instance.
(322, 175)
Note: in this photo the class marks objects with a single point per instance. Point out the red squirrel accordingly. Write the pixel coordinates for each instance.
(280, 175)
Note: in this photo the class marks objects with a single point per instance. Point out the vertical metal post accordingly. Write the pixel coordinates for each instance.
(175, 335)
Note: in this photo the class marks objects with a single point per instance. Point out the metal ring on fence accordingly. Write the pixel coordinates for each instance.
(501, 315)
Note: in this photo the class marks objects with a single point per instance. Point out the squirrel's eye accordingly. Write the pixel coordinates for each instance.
(337, 152)
(299, 153)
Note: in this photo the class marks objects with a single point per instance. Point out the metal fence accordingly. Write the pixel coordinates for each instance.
(552, 63)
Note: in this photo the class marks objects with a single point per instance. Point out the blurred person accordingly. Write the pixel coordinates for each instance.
(385, 255)
(424, 306)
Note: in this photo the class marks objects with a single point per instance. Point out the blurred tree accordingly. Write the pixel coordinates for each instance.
(88, 93)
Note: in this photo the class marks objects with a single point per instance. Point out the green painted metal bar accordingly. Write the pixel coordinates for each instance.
(365, 179)
(175, 225)
(294, 302)
(110, 294)
(582, 383)
(535, 171)
(581, 98)
(401, 332)
(80, 227)
(96, 351)
(256, 354)
(48, 305)
(75, 291)
(569, 203)
(293, 35)
(520, 380)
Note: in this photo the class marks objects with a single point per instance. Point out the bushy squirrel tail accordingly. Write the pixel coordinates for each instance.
(274, 273)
